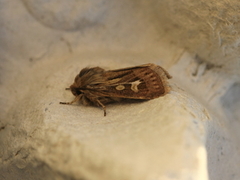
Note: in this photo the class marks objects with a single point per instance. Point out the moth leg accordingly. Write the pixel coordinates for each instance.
(67, 88)
(75, 100)
(104, 107)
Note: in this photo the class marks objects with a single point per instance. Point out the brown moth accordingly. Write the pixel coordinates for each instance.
(95, 86)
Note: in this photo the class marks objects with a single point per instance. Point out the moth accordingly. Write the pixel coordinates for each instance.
(98, 87)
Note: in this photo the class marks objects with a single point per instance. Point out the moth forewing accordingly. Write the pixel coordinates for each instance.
(140, 82)
(95, 86)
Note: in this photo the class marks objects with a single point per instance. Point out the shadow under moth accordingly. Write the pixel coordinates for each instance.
(98, 87)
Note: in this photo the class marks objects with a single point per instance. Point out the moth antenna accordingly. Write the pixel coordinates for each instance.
(104, 107)
(65, 102)
(75, 100)
(67, 89)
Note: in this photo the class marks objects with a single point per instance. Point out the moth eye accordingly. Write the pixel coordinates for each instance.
(76, 92)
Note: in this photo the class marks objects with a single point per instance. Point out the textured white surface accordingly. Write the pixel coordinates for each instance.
(158, 138)
(161, 138)
(43, 47)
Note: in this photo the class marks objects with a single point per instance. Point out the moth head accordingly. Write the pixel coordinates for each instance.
(75, 90)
